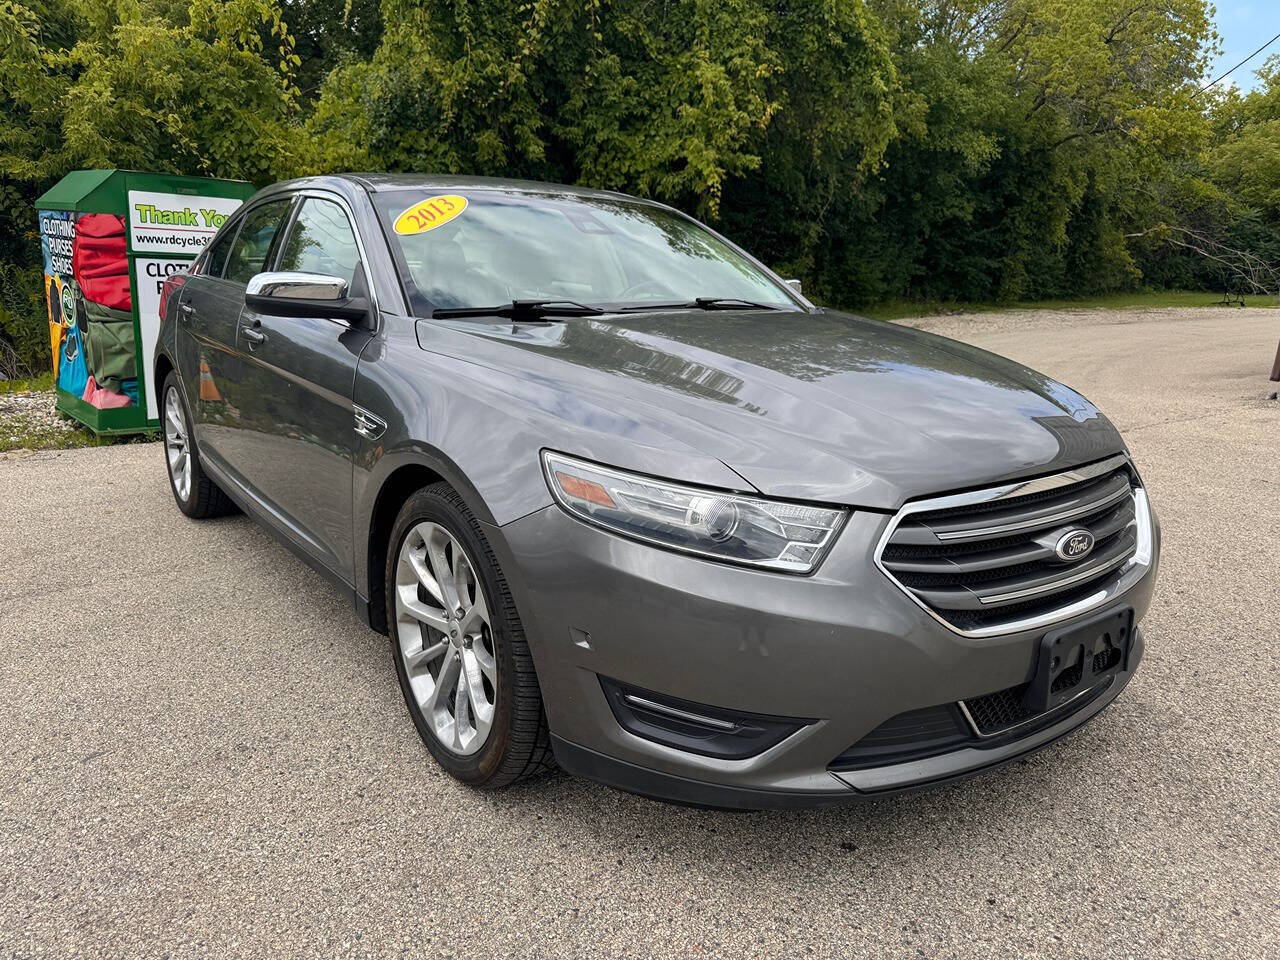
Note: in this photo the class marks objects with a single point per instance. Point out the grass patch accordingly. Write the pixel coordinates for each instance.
(35, 384)
(900, 309)
(17, 435)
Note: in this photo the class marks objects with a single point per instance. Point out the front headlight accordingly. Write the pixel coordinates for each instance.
(726, 526)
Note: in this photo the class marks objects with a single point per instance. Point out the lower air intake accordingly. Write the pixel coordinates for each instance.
(1003, 712)
(986, 721)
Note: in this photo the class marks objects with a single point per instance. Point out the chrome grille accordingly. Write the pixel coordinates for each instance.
(986, 562)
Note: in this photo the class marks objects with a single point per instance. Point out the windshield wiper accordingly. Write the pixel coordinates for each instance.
(523, 310)
(728, 303)
(702, 303)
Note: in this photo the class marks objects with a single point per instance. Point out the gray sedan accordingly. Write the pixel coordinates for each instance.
(624, 500)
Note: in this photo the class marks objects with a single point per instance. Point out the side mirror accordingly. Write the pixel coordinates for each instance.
(794, 285)
(289, 294)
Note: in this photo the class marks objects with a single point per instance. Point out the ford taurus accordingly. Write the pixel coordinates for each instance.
(624, 500)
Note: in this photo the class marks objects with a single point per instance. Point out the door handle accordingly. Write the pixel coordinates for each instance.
(254, 336)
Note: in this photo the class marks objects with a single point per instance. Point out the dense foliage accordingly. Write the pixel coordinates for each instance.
(940, 149)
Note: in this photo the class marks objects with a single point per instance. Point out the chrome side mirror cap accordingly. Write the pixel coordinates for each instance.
(795, 286)
(297, 286)
(292, 294)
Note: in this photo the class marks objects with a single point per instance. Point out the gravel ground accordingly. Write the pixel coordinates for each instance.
(202, 753)
(32, 420)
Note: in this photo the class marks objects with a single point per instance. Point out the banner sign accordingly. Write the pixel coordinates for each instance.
(173, 223)
(149, 276)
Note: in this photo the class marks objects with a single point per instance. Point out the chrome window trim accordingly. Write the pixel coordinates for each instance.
(1134, 569)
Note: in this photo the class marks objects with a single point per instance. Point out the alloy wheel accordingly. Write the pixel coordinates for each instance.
(176, 444)
(446, 640)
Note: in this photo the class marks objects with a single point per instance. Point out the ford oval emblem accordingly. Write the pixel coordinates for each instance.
(1074, 545)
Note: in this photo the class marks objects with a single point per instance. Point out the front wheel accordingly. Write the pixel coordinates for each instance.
(195, 493)
(464, 666)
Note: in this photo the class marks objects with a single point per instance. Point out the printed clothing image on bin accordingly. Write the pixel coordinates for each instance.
(101, 270)
(99, 260)
(73, 371)
(54, 301)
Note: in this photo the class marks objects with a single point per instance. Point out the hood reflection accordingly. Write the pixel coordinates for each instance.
(811, 405)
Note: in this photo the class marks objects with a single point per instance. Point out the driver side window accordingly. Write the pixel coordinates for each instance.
(253, 243)
(322, 241)
(215, 260)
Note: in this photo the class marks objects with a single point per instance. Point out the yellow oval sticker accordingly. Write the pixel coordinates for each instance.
(430, 213)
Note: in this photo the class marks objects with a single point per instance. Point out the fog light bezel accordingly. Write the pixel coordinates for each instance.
(696, 727)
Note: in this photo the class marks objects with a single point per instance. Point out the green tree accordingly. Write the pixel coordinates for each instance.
(209, 94)
(968, 149)
(672, 100)
(329, 32)
(203, 87)
(1031, 131)
(1242, 208)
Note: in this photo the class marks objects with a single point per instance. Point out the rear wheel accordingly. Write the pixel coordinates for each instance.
(196, 494)
(459, 648)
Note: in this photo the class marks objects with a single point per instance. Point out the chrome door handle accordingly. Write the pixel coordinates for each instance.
(253, 335)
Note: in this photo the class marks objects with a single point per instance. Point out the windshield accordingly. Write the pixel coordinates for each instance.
(480, 248)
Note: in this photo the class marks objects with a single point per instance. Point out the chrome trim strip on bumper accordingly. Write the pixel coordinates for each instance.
(675, 712)
(1136, 567)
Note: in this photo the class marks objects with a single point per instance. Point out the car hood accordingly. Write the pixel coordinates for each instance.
(815, 406)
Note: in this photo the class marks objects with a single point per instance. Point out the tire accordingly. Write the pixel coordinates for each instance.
(194, 492)
(488, 649)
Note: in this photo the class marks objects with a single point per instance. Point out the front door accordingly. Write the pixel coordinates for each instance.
(298, 428)
(208, 320)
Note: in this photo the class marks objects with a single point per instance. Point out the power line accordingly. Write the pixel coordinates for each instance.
(1240, 64)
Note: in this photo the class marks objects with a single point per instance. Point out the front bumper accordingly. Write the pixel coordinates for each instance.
(844, 647)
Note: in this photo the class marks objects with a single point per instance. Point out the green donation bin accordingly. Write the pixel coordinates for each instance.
(109, 240)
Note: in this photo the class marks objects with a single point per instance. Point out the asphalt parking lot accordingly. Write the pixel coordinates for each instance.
(203, 753)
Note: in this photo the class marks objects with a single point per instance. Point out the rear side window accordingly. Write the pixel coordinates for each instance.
(322, 241)
(253, 243)
(216, 261)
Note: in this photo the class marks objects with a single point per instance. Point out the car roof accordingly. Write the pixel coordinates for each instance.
(351, 184)
(383, 182)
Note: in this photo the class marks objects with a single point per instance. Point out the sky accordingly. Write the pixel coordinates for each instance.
(1245, 25)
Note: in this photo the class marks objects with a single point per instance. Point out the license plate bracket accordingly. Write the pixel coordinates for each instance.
(1074, 660)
